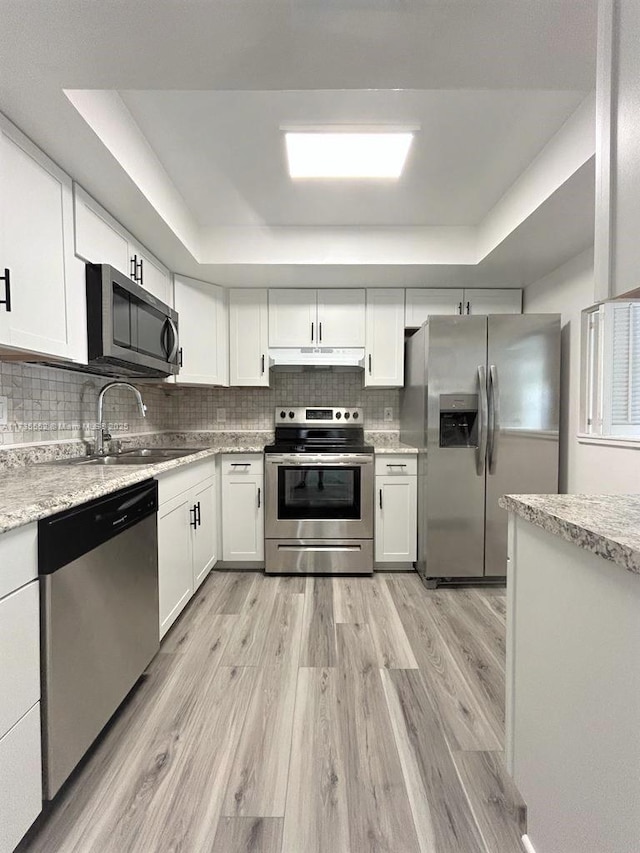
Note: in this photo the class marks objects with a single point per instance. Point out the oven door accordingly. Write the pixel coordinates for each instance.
(319, 496)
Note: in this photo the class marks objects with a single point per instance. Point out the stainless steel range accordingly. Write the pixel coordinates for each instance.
(319, 493)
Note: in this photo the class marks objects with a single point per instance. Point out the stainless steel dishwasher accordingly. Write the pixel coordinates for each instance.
(98, 566)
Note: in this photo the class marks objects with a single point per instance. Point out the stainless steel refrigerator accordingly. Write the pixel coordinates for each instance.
(481, 402)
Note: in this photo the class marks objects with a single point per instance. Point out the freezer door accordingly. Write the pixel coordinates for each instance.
(522, 455)
(451, 535)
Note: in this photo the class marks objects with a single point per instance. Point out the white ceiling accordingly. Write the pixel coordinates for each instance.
(210, 83)
(224, 151)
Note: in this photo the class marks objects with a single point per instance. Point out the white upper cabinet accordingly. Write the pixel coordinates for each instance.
(304, 318)
(203, 330)
(422, 303)
(100, 239)
(341, 318)
(384, 358)
(41, 285)
(493, 302)
(248, 338)
(150, 273)
(292, 318)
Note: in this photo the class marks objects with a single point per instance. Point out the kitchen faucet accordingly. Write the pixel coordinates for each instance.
(101, 434)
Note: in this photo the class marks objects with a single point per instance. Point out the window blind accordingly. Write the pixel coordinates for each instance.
(623, 330)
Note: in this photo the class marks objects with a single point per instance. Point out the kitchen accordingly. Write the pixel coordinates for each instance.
(143, 165)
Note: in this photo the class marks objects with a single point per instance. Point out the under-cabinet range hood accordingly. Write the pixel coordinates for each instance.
(317, 357)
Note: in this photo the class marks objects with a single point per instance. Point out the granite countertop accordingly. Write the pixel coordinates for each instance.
(384, 442)
(606, 525)
(30, 491)
(34, 491)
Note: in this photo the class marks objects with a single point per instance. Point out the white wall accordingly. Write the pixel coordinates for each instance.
(583, 467)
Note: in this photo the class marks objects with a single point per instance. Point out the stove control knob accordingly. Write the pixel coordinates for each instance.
(338, 415)
(283, 414)
(347, 415)
(355, 416)
(291, 415)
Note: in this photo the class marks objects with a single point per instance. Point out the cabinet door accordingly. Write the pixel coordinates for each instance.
(384, 362)
(175, 561)
(99, 238)
(205, 535)
(20, 779)
(292, 318)
(202, 316)
(242, 518)
(36, 246)
(19, 654)
(341, 318)
(396, 519)
(152, 275)
(248, 338)
(493, 301)
(425, 302)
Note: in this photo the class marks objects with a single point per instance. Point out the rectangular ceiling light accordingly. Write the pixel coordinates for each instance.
(347, 155)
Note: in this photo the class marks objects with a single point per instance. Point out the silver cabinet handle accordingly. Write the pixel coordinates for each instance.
(494, 419)
(483, 414)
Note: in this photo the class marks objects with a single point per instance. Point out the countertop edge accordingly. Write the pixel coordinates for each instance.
(598, 543)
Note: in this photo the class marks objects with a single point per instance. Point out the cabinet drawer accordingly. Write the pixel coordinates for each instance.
(18, 558)
(242, 463)
(176, 482)
(20, 779)
(19, 654)
(400, 465)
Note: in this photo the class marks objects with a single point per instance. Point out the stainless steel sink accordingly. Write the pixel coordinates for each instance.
(136, 456)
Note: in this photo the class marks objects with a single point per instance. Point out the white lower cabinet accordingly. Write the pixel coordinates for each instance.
(20, 739)
(20, 779)
(396, 509)
(242, 508)
(187, 537)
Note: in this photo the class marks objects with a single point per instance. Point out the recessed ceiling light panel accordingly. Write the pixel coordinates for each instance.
(347, 155)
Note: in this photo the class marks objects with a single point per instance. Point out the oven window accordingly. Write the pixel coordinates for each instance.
(318, 492)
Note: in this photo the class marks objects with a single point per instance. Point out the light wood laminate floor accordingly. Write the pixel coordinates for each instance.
(306, 715)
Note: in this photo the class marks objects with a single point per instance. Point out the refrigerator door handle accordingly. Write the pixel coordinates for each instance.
(494, 419)
(483, 413)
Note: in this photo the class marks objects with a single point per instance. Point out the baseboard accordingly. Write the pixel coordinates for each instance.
(528, 846)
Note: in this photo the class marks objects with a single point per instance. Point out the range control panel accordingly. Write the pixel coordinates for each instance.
(319, 415)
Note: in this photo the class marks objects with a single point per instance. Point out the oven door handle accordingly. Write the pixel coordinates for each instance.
(319, 461)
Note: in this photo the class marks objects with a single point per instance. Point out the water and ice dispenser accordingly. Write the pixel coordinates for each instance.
(458, 420)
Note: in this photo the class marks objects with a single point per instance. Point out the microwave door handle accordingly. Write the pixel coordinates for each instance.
(171, 355)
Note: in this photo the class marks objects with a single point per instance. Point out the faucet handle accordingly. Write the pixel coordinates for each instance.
(106, 436)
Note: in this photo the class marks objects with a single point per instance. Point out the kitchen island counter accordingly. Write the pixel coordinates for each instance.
(606, 525)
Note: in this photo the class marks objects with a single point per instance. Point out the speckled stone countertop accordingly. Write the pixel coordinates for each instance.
(31, 492)
(387, 441)
(606, 525)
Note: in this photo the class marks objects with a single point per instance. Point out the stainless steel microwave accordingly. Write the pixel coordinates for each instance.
(130, 332)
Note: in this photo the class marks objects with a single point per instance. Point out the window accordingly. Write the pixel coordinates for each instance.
(611, 369)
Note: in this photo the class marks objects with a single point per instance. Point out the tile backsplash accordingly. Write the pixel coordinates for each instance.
(50, 404)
